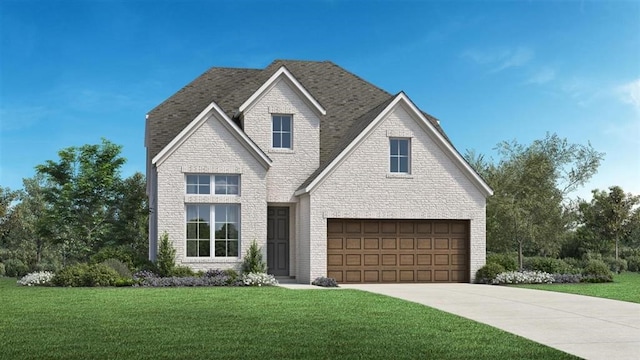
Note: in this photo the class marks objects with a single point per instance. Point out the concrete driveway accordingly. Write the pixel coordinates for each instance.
(589, 327)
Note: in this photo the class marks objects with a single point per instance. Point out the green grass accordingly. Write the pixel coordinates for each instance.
(625, 287)
(239, 323)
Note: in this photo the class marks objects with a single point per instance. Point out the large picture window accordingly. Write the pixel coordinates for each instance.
(399, 156)
(223, 184)
(281, 131)
(225, 239)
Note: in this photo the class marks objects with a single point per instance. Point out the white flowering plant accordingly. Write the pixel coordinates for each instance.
(524, 277)
(259, 279)
(40, 278)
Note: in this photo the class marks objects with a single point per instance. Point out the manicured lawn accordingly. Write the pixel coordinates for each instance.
(233, 323)
(625, 287)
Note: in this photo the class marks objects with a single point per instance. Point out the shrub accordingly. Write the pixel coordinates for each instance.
(633, 263)
(2, 269)
(259, 279)
(548, 265)
(121, 253)
(487, 273)
(15, 268)
(325, 282)
(253, 261)
(596, 271)
(182, 271)
(125, 282)
(574, 263)
(508, 262)
(86, 275)
(567, 278)
(121, 268)
(523, 277)
(166, 260)
(616, 266)
(40, 278)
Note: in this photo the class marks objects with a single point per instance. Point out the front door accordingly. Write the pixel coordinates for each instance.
(278, 241)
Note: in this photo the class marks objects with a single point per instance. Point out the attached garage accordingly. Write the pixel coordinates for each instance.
(388, 251)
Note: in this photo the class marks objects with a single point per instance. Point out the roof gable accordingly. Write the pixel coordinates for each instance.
(283, 74)
(369, 121)
(212, 110)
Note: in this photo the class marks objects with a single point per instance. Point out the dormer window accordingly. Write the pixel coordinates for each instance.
(281, 130)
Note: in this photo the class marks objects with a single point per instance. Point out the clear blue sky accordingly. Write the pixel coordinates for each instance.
(73, 72)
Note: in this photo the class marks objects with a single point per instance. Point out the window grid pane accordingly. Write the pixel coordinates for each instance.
(399, 155)
(226, 184)
(198, 184)
(281, 136)
(198, 230)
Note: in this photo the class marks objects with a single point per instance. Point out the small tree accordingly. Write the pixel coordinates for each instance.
(166, 260)
(253, 261)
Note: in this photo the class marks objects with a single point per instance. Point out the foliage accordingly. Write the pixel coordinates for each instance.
(15, 268)
(120, 253)
(259, 279)
(182, 271)
(86, 275)
(165, 323)
(528, 211)
(566, 278)
(40, 278)
(508, 262)
(596, 271)
(147, 278)
(253, 261)
(616, 265)
(130, 226)
(166, 260)
(487, 273)
(524, 277)
(121, 268)
(82, 194)
(2, 269)
(325, 282)
(633, 263)
(549, 265)
(607, 219)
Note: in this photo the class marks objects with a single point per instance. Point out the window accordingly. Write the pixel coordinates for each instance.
(399, 156)
(282, 131)
(226, 224)
(198, 184)
(224, 184)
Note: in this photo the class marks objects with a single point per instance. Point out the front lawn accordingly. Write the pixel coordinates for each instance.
(233, 323)
(625, 287)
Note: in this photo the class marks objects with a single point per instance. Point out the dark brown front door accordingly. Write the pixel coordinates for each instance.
(278, 241)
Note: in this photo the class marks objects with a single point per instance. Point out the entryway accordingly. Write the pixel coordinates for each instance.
(278, 240)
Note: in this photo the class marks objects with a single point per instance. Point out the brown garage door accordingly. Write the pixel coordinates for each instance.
(374, 251)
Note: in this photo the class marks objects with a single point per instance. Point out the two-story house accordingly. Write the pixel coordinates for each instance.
(329, 174)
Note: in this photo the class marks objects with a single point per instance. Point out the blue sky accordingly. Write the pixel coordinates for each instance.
(73, 72)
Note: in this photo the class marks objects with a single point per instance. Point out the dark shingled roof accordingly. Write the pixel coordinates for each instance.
(351, 102)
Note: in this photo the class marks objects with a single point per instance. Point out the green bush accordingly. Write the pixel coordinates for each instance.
(548, 265)
(488, 273)
(597, 271)
(120, 253)
(252, 261)
(508, 262)
(125, 282)
(86, 275)
(232, 274)
(616, 266)
(166, 260)
(121, 268)
(633, 263)
(2, 270)
(574, 263)
(15, 268)
(182, 271)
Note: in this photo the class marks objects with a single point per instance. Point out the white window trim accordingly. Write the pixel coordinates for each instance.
(409, 157)
(212, 184)
(212, 214)
(283, 149)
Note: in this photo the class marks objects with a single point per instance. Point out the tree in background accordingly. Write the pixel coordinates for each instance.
(82, 192)
(528, 211)
(130, 226)
(606, 220)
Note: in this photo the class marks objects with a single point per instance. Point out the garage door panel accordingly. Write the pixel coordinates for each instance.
(390, 251)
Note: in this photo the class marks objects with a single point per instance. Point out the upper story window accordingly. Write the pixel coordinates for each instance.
(400, 155)
(224, 184)
(281, 133)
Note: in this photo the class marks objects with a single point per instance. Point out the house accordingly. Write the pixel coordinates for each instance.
(329, 174)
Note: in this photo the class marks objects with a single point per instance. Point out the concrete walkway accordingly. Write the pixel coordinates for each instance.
(589, 327)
